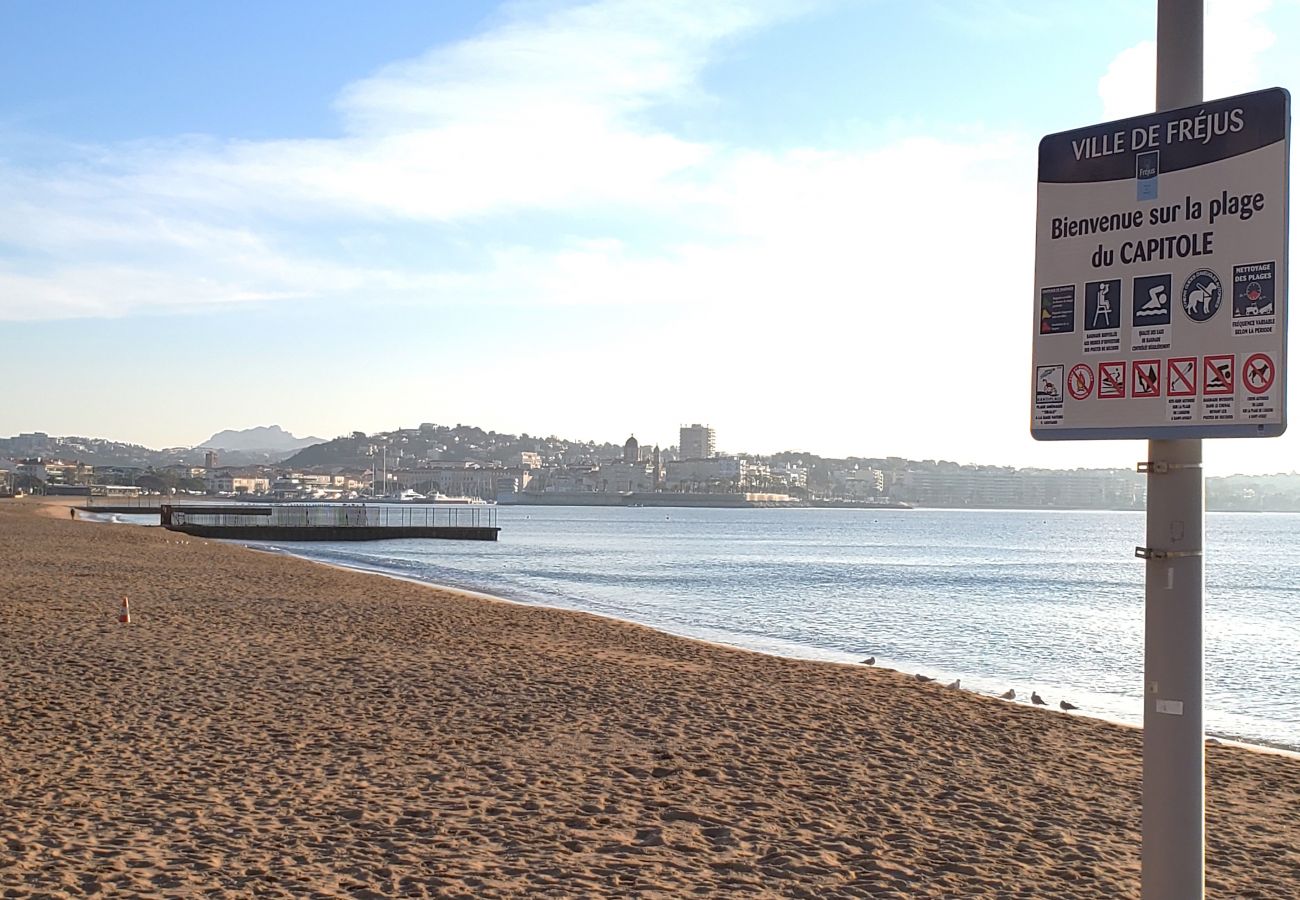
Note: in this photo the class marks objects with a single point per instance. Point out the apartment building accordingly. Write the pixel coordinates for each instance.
(696, 442)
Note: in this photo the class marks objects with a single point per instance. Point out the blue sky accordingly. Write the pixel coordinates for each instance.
(807, 223)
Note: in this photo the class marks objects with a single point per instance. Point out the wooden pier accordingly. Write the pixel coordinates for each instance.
(332, 522)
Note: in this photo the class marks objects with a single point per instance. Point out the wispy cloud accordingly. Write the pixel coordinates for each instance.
(548, 113)
(544, 112)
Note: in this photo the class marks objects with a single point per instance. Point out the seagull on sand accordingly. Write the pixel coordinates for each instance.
(869, 661)
(1037, 700)
(1067, 706)
(956, 684)
(1009, 695)
(920, 677)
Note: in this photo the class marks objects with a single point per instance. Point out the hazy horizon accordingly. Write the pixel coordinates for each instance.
(723, 450)
(809, 224)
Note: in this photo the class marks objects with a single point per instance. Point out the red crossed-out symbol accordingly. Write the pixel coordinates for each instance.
(1110, 378)
(1258, 372)
(1218, 375)
(1146, 378)
(1182, 376)
(1079, 383)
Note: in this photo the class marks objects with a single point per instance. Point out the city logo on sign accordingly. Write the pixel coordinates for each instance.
(1146, 378)
(1218, 375)
(1101, 306)
(1252, 290)
(1202, 295)
(1257, 373)
(1048, 386)
(1148, 168)
(1182, 377)
(1151, 296)
(1110, 380)
(1080, 381)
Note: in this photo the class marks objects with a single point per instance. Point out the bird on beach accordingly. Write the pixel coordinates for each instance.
(869, 661)
(1037, 700)
(1009, 695)
(956, 685)
(1067, 706)
(920, 677)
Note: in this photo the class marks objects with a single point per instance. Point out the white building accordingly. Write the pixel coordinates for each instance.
(626, 477)
(721, 473)
(862, 483)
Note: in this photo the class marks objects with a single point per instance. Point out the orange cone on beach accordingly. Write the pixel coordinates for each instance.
(125, 616)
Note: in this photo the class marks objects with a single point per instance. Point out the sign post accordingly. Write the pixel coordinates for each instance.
(1160, 313)
(1173, 717)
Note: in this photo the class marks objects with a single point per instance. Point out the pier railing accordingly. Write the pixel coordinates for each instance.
(346, 515)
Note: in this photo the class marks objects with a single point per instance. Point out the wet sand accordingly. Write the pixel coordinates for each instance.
(274, 727)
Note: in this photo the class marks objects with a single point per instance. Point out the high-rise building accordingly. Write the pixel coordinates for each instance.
(210, 460)
(696, 442)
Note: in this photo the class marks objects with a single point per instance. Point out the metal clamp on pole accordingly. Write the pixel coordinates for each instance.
(1151, 553)
(1160, 467)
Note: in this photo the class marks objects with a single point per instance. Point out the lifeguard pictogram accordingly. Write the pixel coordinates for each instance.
(1101, 305)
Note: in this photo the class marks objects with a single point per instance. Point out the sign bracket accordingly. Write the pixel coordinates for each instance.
(1151, 553)
(1160, 467)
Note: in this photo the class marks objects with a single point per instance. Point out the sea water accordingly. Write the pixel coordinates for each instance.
(1032, 600)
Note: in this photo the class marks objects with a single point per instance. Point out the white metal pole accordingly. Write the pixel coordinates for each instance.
(1173, 743)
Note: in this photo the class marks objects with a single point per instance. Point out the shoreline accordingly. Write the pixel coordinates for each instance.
(813, 654)
(272, 725)
(826, 653)
(1292, 752)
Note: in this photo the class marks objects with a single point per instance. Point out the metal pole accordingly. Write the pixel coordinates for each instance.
(1173, 736)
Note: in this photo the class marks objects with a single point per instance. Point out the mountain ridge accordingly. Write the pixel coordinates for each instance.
(259, 437)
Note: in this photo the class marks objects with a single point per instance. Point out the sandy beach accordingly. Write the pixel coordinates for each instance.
(267, 726)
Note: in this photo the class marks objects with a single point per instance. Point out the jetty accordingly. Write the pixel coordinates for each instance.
(331, 521)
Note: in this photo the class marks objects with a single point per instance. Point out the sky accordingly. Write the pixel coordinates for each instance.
(809, 224)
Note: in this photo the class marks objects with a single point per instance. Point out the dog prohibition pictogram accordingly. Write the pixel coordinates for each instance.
(1182, 376)
(1218, 375)
(1258, 372)
(1110, 380)
(1080, 381)
(1146, 378)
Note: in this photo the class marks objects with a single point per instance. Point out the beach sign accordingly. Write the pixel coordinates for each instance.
(1160, 275)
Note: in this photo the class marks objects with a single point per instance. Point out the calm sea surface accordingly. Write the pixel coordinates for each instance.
(1047, 601)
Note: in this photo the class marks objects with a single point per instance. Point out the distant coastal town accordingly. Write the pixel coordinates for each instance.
(437, 462)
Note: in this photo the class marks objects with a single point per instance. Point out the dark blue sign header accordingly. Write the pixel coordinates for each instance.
(1183, 138)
